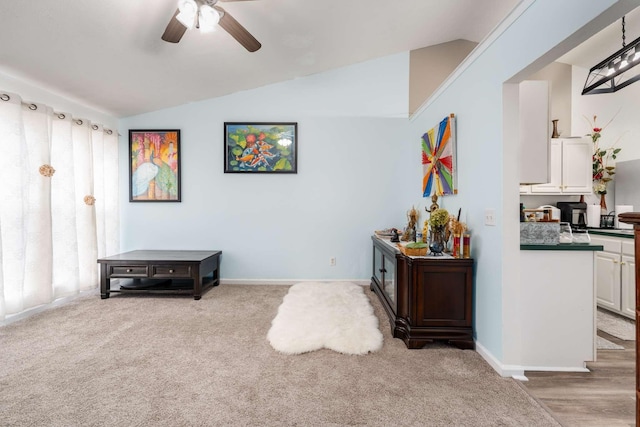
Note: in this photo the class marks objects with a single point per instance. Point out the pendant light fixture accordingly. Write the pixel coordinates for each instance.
(612, 74)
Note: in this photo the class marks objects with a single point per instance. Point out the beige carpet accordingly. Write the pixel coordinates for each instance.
(173, 361)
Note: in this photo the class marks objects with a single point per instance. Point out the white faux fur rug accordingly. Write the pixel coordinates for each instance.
(315, 315)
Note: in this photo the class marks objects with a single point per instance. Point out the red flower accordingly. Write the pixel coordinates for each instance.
(597, 129)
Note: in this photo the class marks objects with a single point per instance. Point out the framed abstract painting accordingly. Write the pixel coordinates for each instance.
(439, 159)
(154, 165)
(260, 147)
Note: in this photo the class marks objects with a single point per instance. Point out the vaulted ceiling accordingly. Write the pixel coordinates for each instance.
(108, 55)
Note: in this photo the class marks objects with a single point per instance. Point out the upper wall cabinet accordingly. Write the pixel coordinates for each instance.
(534, 131)
(570, 167)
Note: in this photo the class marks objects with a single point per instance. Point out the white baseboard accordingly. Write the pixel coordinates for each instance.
(287, 282)
(514, 371)
(517, 371)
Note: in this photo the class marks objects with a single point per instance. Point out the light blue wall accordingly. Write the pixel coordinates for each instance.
(352, 161)
(476, 99)
(359, 169)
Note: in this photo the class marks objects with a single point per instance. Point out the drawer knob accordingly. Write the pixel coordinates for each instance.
(129, 270)
(171, 270)
(382, 270)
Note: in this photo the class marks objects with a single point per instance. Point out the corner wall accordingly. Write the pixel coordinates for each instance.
(543, 31)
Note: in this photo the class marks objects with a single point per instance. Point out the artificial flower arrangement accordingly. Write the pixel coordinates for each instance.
(438, 221)
(602, 171)
(439, 218)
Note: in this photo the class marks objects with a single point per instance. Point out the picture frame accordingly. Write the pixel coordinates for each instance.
(261, 147)
(154, 165)
(439, 166)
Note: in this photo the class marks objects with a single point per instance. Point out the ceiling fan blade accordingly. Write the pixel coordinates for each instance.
(175, 30)
(237, 31)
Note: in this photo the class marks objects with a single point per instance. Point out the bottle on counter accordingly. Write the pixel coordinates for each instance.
(456, 246)
(466, 245)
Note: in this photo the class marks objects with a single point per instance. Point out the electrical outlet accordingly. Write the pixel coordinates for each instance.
(490, 217)
(332, 261)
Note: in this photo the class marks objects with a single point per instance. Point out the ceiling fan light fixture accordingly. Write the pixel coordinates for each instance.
(188, 11)
(208, 18)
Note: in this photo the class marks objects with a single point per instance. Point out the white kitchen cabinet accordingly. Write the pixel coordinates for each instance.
(554, 186)
(577, 166)
(570, 167)
(615, 274)
(533, 111)
(628, 280)
(525, 189)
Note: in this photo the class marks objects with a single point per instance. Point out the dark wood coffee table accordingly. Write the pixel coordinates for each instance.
(161, 272)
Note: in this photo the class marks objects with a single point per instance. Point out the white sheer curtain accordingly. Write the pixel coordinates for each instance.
(58, 203)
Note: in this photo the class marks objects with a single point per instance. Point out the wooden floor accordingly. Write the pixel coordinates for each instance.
(603, 397)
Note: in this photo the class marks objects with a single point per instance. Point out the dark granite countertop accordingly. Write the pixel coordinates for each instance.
(562, 247)
(613, 232)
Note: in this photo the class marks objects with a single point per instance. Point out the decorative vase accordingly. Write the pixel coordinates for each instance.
(555, 133)
(603, 204)
(437, 240)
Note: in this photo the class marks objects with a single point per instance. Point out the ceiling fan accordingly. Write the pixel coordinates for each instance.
(205, 14)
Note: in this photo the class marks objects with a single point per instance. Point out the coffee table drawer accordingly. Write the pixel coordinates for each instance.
(171, 271)
(128, 271)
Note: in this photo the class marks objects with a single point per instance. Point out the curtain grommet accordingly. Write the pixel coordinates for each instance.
(5, 97)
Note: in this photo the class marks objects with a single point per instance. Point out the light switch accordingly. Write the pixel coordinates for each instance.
(490, 217)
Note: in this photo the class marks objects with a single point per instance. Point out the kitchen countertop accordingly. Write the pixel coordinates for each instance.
(614, 232)
(563, 247)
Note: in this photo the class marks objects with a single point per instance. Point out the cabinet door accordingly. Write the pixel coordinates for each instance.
(608, 280)
(555, 165)
(628, 286)
(576, 166)
(389, 279)
(377, 264)
(442, 296)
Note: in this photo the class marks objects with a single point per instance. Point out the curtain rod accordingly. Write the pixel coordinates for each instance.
(33, 107)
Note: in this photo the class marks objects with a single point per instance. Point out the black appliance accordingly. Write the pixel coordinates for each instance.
(575, 213)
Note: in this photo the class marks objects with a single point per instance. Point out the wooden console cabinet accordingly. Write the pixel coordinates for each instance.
(426, 298)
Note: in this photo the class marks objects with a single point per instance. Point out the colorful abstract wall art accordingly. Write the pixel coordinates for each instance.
(439, 159)
(261, 147)
(154, 173)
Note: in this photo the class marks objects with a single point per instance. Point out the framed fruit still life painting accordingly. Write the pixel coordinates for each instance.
(260, 147)
(154, 165)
